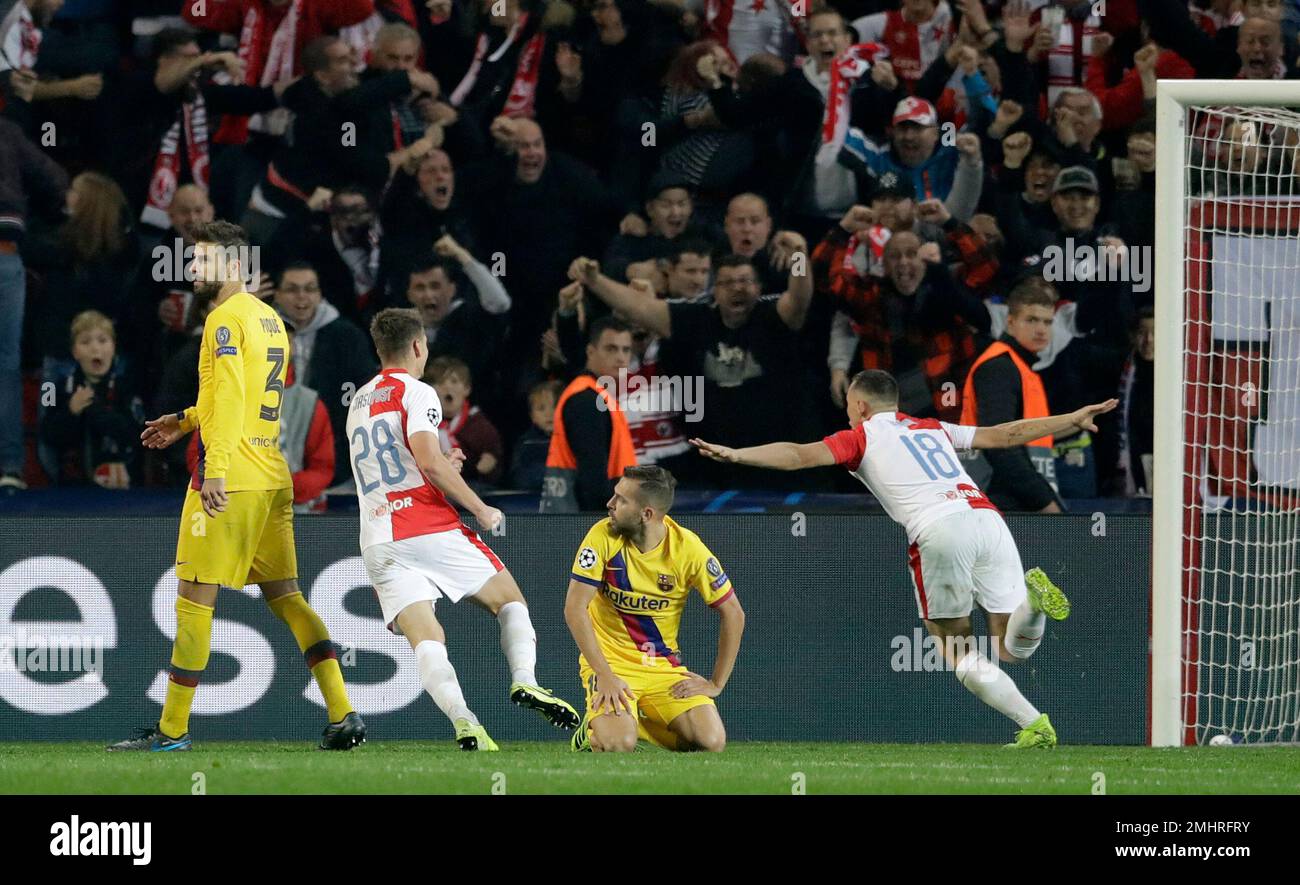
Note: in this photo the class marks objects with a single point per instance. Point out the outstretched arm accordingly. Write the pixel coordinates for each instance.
(774, 456)
(1018, 433)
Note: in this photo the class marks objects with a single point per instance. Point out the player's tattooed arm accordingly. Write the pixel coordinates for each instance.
(443, 474)
(774, 456)
(1018, 433)
(610, 691)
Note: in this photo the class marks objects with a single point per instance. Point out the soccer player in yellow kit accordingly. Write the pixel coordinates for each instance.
(630, 581)
(237, 522)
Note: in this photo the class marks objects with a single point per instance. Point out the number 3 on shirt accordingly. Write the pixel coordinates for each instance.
(940, 462)
(385, 447)
(275, 356)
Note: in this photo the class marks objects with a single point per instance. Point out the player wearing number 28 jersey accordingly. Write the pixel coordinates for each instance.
(415, 547)
(959, 549)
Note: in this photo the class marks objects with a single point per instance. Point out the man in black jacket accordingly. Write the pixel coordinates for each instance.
(330, 354)
(336, 136)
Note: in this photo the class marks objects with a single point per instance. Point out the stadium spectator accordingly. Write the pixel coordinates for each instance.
(464, 425)
(745, 29)
(176, 107)
(1137, 410)
(917, 33)
(29, 182)
(419, 209)
(1256, 55)
(21, 36)
(591, 445)
(1002, 386)
(953, 173)
(162, 298)
(468, 328)
(668, 208)
(336, 138)
(87, 263)
(743, 346)
(918, 323)
(528, 462)
(343, 244)
(331, 356)
(92, 430)
(541, 210)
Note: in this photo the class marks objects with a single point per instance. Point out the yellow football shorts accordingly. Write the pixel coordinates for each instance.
(654, 704)
(251, 541)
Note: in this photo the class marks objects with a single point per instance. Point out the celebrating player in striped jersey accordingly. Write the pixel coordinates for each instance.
(413, 543)
(630, 581)
(237, 521)
(960, 550)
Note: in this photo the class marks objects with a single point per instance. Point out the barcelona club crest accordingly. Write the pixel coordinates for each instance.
(666, 583)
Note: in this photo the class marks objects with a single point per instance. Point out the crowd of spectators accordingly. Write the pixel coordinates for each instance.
(758, 197)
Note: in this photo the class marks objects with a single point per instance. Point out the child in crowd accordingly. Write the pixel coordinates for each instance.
(464, 426)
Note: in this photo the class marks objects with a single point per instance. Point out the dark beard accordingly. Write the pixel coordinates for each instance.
(636, 535)
(206, 292)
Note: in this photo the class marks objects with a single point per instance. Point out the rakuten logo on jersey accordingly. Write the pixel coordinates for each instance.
(390, 507)
(624, 601)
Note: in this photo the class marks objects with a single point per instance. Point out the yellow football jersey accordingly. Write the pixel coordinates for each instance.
(242, 365)
(640, 596)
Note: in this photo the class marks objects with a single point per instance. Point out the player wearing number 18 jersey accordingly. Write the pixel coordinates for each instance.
(960, 551)
(415, 547)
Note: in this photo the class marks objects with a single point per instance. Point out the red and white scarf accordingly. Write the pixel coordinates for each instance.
(265, 63)
(847, 67)
(523, 91)
(192, 120)
(873, 261)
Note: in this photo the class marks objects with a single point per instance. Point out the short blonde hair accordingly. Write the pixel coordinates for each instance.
(89, 321)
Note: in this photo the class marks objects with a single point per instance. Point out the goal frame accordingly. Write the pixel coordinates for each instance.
(1166, 720)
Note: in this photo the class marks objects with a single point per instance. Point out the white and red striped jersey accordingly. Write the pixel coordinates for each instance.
(912, 47)
(1067, 62)
(397, 501)
(911, 466)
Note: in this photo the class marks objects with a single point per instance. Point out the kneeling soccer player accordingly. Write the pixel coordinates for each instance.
(960, 552)
(630, 581)
(413, 543)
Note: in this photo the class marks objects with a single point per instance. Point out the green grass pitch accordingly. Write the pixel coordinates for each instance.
(427, 767)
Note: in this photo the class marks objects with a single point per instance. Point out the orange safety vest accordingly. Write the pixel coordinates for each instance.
(1031, 390)
(558, 493)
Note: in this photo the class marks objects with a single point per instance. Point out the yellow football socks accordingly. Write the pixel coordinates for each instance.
(189, 657)
(314, 642)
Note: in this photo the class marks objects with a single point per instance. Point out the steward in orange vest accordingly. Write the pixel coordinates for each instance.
(591, 444)
(1003, 387)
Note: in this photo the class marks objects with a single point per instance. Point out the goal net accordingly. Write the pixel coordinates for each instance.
(1226, 514)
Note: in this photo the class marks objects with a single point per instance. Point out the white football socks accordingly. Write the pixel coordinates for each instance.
(990, 684)
(439, 679)
(519, 642)
(1024, 630)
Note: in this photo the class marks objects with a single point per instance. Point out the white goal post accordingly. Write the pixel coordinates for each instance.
(1225, 582)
